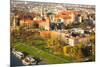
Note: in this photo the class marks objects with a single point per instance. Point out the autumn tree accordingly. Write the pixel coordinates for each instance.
(54, 45)
(66, 50)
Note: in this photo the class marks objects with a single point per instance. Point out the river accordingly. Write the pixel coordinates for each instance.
(15, 61)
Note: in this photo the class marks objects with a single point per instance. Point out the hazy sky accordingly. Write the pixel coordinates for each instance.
(88, 2)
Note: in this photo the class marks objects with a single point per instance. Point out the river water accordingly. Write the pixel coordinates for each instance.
(15, 61)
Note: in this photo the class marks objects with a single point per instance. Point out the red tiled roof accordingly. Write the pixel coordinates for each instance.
(65, 14)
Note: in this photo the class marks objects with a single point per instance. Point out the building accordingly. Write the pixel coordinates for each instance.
(67, 16)
(72, 41)
(77, 30)
(45, 34)
(78, 18)
(16, 21)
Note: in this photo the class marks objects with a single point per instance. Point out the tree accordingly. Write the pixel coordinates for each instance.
(54, 45)
(66, 50)
(74, 51)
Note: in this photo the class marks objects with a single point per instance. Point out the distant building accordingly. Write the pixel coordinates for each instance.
(26, 22)
(78, 18)
(67, 16)
(45, 34)
(16, 21)
(72, 41)
(45, 24)
(77, 30)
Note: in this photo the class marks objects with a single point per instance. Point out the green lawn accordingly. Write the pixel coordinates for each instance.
(50, 58)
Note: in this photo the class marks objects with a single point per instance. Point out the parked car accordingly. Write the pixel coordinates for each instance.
(28, 60)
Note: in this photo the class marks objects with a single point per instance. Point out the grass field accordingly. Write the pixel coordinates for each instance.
(49, 58)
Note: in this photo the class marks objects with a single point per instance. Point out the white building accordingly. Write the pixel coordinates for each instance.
(77, 30)
(71, 42)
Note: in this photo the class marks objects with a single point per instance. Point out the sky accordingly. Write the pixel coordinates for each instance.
(85, 2)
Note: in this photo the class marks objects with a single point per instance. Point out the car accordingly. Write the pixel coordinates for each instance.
(28, 60)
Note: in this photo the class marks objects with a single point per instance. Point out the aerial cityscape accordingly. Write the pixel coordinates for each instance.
(51, 33)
